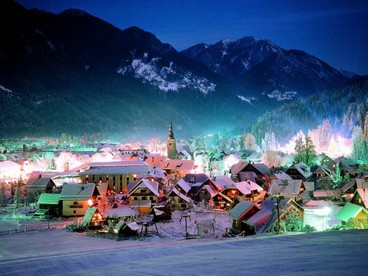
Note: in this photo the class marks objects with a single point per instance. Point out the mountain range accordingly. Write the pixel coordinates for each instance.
(74, 73)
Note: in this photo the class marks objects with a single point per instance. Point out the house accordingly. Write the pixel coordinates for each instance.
(92, 218)
(327, 194)
(273, 211)
(353, 211)
(256, 172)
(178, 200)
(178, 167)
(347, 166)
(328, 162)
(360, 197)
(247, 190)
(40, 185)
(320, 172)
(49, 204)
(77, 198)
(116, 173)
(288, 188)
(144, 194)
(299, 171)
(242, 211)
(122, 213)
(349, 188)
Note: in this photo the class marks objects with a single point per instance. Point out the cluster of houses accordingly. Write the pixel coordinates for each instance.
(255, 195)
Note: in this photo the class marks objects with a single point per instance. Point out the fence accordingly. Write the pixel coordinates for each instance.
(34, 228)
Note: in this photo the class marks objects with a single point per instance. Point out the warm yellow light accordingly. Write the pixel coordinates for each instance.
(90, 202)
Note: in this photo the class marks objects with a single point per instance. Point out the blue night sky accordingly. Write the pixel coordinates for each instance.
(335, 31)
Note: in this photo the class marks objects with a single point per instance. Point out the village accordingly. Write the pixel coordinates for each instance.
(123, 191)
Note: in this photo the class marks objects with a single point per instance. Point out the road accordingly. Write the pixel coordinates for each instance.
(58, 252)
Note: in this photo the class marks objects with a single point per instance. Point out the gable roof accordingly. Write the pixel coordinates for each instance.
(223, 181)
(289, 187)
(246, 187)
(78, 191)
(302, 168)
(89, 215)
(39, 183)
(240, 208)
(51, 199)
(363, 194)
(184, 185)
(349, 211)
(179, 194)
(145, 183)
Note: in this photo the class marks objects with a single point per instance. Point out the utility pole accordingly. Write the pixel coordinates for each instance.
(279, 197)
(186, 225)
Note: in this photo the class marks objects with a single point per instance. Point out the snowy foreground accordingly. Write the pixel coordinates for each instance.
(59, 252)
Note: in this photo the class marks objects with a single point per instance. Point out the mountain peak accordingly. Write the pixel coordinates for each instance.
(74, 12)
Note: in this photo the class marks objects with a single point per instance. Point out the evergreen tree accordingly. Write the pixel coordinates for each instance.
(305, 151)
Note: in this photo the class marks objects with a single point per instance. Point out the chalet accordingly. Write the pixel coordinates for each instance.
(92, 218)
(299, 171)
(328, 162)
(266, 219)
(178, 167)
(256, 172)
(144, 194)
(347, 166)
(40, 185)
(360, 197)
(122, 213)
(278, 175)
(179, 195)
(77, 198)
(49, 204)
(288, 188)
(321, 172)
(247, 190)
(349, 188)
(178, 200)
(352, 211)
(116, 173)
(242, 211)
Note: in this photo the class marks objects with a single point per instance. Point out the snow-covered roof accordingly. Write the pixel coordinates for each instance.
(222, 182)
(122, 211)
(78, 191)
(145, 183)
(184, 185)
(245, 187)
(288, 187)
(9, 164)
(179, 194)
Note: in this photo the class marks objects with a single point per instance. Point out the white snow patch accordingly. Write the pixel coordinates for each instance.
(282, 95)
(165, 78)
(6, 91)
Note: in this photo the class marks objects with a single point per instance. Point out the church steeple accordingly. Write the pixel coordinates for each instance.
(171, 143)
(171, 132)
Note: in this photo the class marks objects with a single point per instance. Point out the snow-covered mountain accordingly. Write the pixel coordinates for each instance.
(265, 68)
(73, 72)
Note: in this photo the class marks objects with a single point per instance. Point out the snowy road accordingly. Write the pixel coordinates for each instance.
(59, 252)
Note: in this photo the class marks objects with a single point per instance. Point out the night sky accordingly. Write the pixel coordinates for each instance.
(334, 30)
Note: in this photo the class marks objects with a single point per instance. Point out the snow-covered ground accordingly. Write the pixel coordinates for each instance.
(59, 252)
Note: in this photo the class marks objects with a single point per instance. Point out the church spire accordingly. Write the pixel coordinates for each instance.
(171, 132)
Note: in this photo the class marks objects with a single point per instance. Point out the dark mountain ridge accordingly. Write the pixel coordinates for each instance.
(72, 72)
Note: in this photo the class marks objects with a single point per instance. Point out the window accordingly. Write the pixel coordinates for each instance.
(143, 191)
(144, 198)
